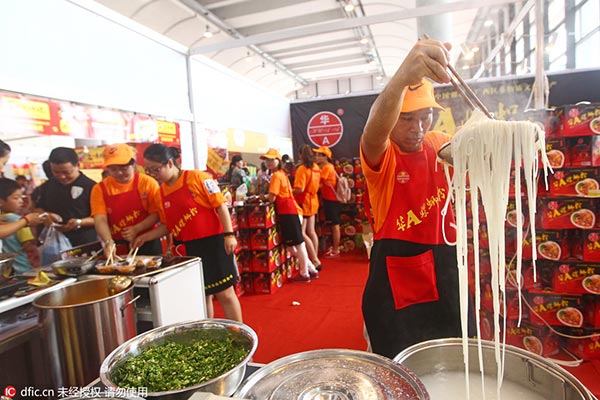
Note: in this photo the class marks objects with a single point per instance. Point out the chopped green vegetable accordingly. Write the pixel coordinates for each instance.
(174, 366)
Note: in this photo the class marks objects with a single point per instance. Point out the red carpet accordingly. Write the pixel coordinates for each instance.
(329, 314)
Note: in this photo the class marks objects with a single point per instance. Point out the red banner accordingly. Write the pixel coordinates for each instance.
(24, 115)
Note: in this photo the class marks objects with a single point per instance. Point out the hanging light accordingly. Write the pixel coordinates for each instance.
(249, 56)
(364, 40)
(207, 32)
(349, 6)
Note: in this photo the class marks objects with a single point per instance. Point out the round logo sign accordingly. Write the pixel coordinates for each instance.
(325, 129)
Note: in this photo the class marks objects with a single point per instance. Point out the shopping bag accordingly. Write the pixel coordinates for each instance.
(53, 243)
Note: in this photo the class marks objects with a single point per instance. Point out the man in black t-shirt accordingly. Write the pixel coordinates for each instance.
(66, 197)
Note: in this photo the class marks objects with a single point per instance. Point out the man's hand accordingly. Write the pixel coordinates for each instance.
(427, 59)
(129, 233)
(69, 226)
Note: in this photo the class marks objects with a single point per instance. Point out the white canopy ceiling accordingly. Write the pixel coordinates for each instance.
(288, 45)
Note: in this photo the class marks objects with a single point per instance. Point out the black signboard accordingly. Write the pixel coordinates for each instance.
(338, 123)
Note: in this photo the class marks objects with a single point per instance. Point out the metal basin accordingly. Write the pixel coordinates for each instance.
(334, 374)
(72, 266)
(186, 333)
(438, 361)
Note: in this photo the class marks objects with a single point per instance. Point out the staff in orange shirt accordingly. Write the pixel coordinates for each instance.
(306, 186)
(288, 214)
(195, 213)
(125, 203)
(411, 294)
(330, 202)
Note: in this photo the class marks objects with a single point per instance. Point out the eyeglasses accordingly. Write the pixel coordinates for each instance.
(155, 170)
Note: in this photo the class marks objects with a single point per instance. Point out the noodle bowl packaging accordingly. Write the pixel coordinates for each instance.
(529, 280)
(591, 246)
(243, 238)
(261, 216)
(592, 310)
(267, 283)
(552, 245)
(555, 309)
(580, 151)
(575, 277)
(511, 213)
(586, 349)
(247, 282)
(556, 152)
(511, 244)
(583, 182)
(244, 261)
(537, 339)
(264, 239)
(266, 260)
(549, 120)
(512, 299)
(241, 217)
(581, 119)
(566, 213)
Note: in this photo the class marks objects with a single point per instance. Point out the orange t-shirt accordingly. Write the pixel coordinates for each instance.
(381, 178)
(147, 188)
(202, 185)
(328, 181)
(308, 180)
(280, 186)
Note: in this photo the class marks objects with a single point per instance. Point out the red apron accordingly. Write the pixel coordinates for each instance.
(186, 219)
(285, 205)
(411, 294)
(123, 209)
(415, 216)
(417, 201)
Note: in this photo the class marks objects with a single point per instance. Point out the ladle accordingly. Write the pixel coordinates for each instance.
(119, 283)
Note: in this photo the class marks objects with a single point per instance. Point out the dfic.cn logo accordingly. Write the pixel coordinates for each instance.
(10, 392)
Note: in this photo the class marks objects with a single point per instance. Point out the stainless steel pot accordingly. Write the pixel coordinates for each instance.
(333, 374)
(81, 324)
(539, 377)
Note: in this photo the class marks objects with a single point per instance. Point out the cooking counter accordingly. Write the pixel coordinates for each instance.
(14, 302)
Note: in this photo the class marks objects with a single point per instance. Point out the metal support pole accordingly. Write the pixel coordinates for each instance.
(539, 84)
(188, 67)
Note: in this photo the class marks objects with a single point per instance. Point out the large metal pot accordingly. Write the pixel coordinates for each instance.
(81, 324)
(438, 361)
(333, 374)
(186, 333)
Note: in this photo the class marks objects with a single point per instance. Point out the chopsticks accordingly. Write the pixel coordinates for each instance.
(110, 259)
(465, 91)
(131, 257)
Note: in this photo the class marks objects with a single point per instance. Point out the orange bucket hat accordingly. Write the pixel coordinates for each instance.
(418, 97)
(271, 154)
(323, 150)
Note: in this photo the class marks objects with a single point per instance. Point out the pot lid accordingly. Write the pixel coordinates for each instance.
(334, 374)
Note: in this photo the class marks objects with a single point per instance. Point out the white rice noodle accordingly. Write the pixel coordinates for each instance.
(482, 157)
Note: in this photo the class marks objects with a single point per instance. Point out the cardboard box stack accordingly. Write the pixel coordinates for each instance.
(564, 298)
(264, 264)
